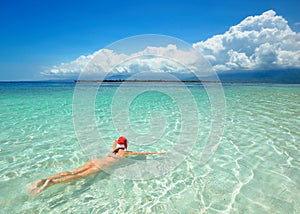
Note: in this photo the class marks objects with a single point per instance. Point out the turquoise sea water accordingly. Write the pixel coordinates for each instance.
(256, 168)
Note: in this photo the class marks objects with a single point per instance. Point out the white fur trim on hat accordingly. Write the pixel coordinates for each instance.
(120, 146)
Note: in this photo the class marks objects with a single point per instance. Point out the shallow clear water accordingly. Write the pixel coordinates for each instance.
(256, 168)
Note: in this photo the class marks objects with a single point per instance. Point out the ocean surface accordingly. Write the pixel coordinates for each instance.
(254, 169)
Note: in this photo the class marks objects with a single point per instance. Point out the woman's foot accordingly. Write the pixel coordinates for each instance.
(39, 186)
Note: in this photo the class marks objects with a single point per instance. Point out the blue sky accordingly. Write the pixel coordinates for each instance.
(36, 35)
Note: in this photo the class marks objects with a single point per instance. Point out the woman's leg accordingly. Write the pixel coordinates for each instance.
(75, 175)
(83, 171)
(36, 185)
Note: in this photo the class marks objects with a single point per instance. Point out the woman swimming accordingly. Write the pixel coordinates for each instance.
(119, 151)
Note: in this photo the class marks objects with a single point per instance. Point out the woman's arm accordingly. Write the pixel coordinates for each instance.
(142, 153)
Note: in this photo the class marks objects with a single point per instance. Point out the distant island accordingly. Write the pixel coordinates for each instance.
(137, 81)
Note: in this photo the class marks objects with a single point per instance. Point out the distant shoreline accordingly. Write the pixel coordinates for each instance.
(159, 81)
(150, 81)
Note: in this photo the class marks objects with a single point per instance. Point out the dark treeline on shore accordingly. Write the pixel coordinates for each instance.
(187, 81)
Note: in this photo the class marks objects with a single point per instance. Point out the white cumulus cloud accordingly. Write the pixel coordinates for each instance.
(151, 59)
(262, 42)
(257, 43)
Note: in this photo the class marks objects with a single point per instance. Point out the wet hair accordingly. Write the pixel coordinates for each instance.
(117, 150)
